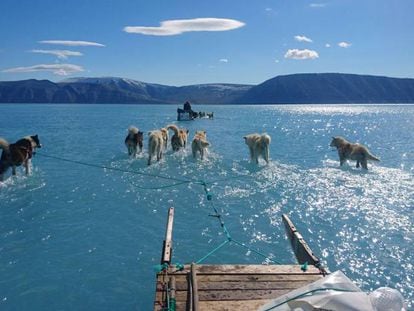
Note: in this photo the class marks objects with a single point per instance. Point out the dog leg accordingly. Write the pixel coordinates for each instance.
(357, 164)
(265, 155)
(27, 166)
(364, 164)
(251, 153)
(341, 160)
(256, 157)
(13, 170)
(159, 155)
(149, 160)
(202, 153)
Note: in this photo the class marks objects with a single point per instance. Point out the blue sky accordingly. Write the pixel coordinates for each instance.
(192, 42)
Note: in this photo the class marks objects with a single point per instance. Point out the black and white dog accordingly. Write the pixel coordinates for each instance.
(134, 140)
(16, 154)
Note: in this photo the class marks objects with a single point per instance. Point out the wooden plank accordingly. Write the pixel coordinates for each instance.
(183, 286)
(256, 277)
(173, 287)
(232, 305)
(229, 305)
(167, 246)
(194, 288)
(251, 277)
(250, 269)
(301, 249)
(224, 295)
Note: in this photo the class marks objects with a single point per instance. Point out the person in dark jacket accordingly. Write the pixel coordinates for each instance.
(187, 106)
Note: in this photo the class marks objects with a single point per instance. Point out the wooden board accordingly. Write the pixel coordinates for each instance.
(301, 249)
(234, 287)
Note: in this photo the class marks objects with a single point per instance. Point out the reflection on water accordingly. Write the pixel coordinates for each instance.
(73, 235)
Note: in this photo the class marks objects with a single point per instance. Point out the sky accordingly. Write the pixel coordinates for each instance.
(183, 42)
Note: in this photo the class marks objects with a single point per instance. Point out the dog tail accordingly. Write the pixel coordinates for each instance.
(174, 128)
(266, 139)
(4, 144)
(372, 157)
(133, 130)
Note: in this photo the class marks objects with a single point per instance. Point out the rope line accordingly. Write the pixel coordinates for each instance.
(179, 182)
(229, 238)
(118, 169)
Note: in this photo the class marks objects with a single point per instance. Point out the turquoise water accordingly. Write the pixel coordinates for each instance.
(75, 237)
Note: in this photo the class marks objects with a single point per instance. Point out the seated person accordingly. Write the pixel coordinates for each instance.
(187, 106)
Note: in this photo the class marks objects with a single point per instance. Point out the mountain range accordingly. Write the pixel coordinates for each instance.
(315, 88)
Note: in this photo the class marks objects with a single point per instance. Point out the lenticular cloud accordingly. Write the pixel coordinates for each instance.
(176, 27)
(57, 69)
(63, 54)
(72, 43)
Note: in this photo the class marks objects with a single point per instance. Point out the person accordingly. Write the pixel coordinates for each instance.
(187, 106)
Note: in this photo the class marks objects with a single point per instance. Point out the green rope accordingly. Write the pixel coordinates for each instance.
(256, 252)
(173, 304)
(178, 182)
(118, 169)
(311, 292)
(304, 267)
(212, 252)
(160, 187)
(227, 233)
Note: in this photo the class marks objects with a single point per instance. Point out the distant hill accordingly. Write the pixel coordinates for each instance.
(320, 88)
(115, 90)
(324, 88)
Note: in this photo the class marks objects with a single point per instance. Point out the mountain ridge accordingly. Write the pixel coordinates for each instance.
(299, 88)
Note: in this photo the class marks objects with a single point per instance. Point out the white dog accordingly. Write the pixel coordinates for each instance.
(258, 146)
(157, 144)
(199, 144)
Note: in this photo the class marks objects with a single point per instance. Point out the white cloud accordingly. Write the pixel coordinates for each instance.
(57, 69)
(71, 43)
(62, 54)
(344, 44)
(303, 39)
(223, 60)
(276, 60)
(317, 5)
(327, 45)
(301, 54)
(176, 27)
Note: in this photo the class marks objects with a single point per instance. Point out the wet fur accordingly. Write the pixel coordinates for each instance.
(258, 146)
(134, 140)
(157, 144)
(199, 144)
(16, 154)
(179, 139)
(350, 151)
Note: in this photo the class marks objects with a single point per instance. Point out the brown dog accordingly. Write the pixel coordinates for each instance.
(350, 151)
(157, 144)
(16, 154)
(179, 139)
(134, 140)
(200, 144)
